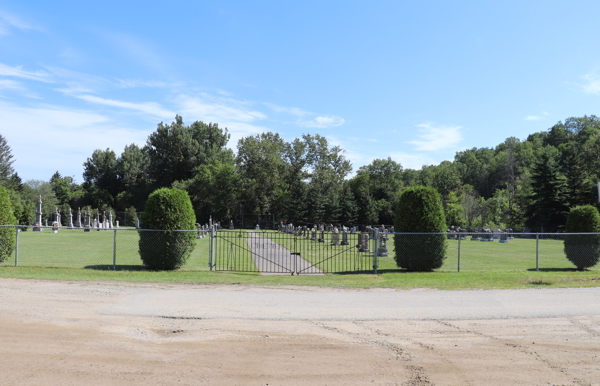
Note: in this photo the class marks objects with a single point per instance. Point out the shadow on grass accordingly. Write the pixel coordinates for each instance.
(109, 267)
(556, 270)
(370, 271)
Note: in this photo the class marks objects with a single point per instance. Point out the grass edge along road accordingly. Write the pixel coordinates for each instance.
(385, 279)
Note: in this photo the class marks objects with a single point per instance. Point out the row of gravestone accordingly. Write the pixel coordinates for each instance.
(87, 225)
(381, 233)
(204, 230)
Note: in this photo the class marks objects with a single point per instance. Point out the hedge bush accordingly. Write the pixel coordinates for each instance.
(419, 209)
(583, 250)
(7, 217)
(171, 210)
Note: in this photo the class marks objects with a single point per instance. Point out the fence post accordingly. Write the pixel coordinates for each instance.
(17, 248)
(458, 255)
(114, 249)
(213, 252)
(376, 243)
(537, 252)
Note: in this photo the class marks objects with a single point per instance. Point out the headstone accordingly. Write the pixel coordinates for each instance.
(313, 236)
(117, 224)
(504, 237)
(70, 218)
(110, 219)
(322, 239)
(86, 222)
(78, 220)
(382, 250)
(363, 245)
(230, 224)
(335, 238)
(38, 216)
(46, 222)
(257, 227)
(344, 237)
(137, 223)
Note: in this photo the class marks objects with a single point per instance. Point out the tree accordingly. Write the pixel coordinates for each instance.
(385, 180)
(549, 204)
(176, 150)
(583, 250)
(33, 189)
(6, 161)
(214, 191)
(169, 210)
(420, 209)
(100, 178)
(7, 217)
(261, 164)
(132, 171)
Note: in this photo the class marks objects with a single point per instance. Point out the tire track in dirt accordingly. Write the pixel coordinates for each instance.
(521, 348)
(417, 374)
(457, 371)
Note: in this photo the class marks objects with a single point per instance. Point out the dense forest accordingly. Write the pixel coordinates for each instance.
(528, 183)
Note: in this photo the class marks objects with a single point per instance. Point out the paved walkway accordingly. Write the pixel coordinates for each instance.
(274, 259)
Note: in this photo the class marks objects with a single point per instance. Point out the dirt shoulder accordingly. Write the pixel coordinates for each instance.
(73, 333)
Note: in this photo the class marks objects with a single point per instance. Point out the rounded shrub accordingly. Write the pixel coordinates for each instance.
(419, 209)
(170, 210)
(7, 217)
(583, 250)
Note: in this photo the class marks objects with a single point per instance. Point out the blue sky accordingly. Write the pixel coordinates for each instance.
(417, 81)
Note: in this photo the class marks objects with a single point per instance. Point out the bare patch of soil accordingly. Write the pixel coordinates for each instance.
(53, 333)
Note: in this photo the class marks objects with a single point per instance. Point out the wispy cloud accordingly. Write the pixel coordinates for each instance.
(10, 84)
(532, 118)
(592, 85)
(412, 161)
(19, 72)
(298, 112)
(150, 108)
(434, 138)
(323, 122)
(8, 20)
(216, 109)
(59, 138)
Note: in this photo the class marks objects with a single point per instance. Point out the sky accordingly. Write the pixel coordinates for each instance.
(416, 81)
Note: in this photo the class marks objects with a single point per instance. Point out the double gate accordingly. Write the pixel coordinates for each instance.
(272, 252)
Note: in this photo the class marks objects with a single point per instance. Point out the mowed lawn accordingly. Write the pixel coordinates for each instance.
(517, 254)
(94, 250)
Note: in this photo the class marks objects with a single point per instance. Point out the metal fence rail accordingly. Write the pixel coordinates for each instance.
(116, 248)
(299, 253)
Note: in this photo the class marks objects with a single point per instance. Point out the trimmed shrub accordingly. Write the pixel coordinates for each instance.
(7, 217)
(419, 209)
(583, 250)
(169, 209)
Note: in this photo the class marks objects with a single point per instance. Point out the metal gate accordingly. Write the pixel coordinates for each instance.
(272, 252)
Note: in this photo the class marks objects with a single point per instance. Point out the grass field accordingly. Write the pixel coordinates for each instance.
(79, 255)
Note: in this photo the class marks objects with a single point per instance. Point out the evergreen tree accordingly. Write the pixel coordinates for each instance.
(549, 206)
(6, 161)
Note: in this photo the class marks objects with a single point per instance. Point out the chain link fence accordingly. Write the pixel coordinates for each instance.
(115, 248)
(94, 248)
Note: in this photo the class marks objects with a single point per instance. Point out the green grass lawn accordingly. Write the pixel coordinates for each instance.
(79, 255)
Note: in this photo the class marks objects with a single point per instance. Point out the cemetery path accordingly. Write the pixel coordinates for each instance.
(275, 259)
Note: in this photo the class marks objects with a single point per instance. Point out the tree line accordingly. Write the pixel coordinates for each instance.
(520, 183)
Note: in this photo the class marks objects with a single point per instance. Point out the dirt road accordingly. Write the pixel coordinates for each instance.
(62, 333)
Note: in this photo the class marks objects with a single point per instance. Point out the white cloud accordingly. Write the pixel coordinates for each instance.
(323, 122)
(434, 138)
(287, 110)
(19, 72)
(208, 108)
(150, 108)
(532, 118)
(8, 21)
(593, 84)
(10, 84)
(50, 138)
(413, 161)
